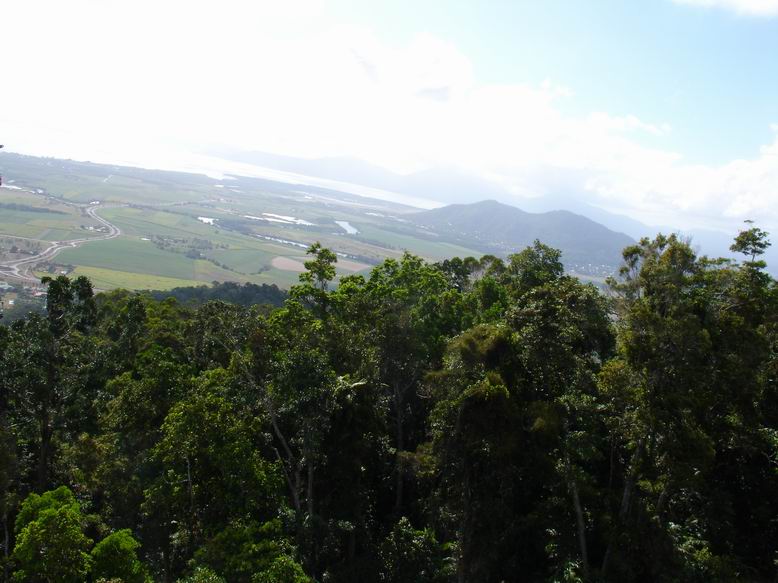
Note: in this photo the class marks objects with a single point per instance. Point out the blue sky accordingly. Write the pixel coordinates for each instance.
(663, 110)
(712, 74)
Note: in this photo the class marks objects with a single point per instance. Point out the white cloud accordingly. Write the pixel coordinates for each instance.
(144, 82)
(744, 7)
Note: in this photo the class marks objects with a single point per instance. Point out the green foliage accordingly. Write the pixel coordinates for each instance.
(315, 282)
(475, 420)
(50, 544)
(751, 242)
(534, 267)
(246, 294)
(116, 557)
(412, 556)
(212, 469)
(242, 550)
(69, 303)
(34, 505)
(203, 575)
(678, 396)
(283, 569)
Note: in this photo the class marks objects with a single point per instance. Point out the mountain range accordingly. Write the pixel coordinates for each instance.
(500, 228)
(450, 185)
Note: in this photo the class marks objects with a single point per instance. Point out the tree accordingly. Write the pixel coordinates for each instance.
(243, 549)
(472, 420)
(215, 331)
(203, 575)
(533, 267)
(54, 382)
(55, 370)
(300, 395)
(514, 431)
(116, 557)
(459, 271)
(212, 467)
(316, 280)
(50, 545)
(69, 303)
(413, 312)
(9, 465)
(412, 556)
(751, 242)
(686, 379)
(284, 569)
(664, 371)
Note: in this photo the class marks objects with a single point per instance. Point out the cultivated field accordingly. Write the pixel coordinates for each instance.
(29, 215)
(179, 229)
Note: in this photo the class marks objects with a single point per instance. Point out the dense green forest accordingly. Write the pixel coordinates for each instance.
(467, 421)
(243, 294)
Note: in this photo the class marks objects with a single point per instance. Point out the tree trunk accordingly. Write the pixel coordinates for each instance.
(464, 554)
(660, 504)
(310, 489)
(579, 515)
(612, 464)
(6, 543)
(189, 487)
(45, 451)
(312, 529)
(400, 436)
(291, 461)
(192, 507)
(47, 407)
(579, 519)
(626, 500)
(294, 488)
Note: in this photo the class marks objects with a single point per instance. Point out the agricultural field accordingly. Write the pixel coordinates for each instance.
(31, 216)
(83, 182)
(175, 229)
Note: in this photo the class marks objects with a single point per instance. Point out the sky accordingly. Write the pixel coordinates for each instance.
(664, 110)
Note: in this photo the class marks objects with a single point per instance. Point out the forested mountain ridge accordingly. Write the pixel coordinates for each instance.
(500, 227)
(468, 420)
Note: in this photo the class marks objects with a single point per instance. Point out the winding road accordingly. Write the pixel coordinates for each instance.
(22, 268)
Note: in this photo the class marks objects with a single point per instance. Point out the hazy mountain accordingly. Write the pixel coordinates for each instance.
(576, 204)
(507, 228)
(447, 185)
(708, 242)
(441, 184)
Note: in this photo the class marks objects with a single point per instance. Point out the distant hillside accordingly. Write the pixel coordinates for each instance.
(506, 228)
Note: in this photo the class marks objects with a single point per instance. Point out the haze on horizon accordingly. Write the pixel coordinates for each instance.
(668, 114)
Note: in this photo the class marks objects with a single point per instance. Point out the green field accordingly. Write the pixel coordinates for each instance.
(162, 242)
(146, 222)
(133, 255)
(53, 222)
(84, 182)
(245, 260)
(112, 279)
